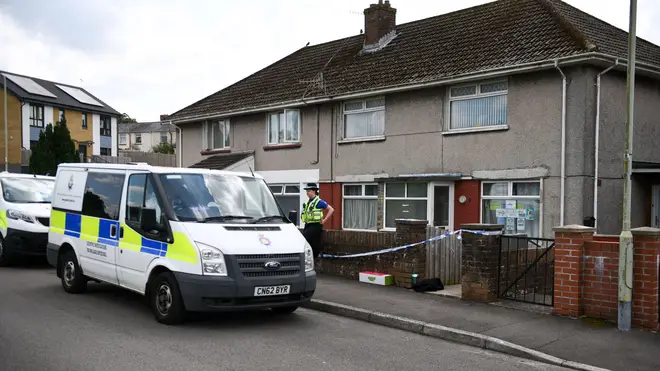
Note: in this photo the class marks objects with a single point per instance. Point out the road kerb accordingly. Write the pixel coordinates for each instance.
(445, 333)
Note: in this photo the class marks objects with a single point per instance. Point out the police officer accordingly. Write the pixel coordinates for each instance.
(312, 216)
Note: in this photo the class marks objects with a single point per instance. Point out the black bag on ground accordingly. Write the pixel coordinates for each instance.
(430, 284)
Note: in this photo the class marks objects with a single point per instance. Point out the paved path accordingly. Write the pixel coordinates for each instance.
(593, 343)
(43, 328)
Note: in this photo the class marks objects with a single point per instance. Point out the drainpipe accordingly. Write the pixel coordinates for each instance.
(562, 202)
(597, 136)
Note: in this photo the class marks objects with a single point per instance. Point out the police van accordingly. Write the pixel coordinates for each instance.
(187, 239)
(24, 215)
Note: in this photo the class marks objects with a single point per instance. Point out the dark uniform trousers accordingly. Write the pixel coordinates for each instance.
(313, 233)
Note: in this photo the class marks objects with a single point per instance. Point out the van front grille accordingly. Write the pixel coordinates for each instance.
(252, 266)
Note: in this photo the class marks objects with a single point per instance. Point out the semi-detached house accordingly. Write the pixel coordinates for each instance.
(510, 112)
(33, 103)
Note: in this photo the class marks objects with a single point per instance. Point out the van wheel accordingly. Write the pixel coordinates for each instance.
(165, 299)
(284, 310)
(4, 258)
(73, 280)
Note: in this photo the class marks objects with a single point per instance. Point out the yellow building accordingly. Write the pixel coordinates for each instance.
(34, 103)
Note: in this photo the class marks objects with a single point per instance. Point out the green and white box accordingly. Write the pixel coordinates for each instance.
(376, 278)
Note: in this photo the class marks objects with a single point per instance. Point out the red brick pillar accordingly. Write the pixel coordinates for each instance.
(646, 266)
(569, 253)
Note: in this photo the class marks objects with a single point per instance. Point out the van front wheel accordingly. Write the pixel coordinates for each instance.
(165, 299)
(73, 280)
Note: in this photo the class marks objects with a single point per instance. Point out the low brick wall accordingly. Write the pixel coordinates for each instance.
(400, 264)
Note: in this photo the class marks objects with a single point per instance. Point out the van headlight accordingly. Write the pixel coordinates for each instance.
(309, 258)
(213, 261)
(19, 215)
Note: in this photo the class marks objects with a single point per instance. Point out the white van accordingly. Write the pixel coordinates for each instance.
(187, 239)
(24, 215)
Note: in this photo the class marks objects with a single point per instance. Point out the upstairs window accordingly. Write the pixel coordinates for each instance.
(106, 128)
(284, 127)
(123, 139)
(216, 134)
(37, 115)
(61, 117)
(84, 120)
(478, 105)
(364, 118)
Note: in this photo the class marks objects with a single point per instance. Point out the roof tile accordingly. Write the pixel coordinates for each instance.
(503, 33)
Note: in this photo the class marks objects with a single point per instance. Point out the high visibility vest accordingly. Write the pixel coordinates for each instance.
(312, 214)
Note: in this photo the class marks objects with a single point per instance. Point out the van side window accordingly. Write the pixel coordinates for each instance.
(143, 211)
(103, 195)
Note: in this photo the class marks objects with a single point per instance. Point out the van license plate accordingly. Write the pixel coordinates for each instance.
(272, 290)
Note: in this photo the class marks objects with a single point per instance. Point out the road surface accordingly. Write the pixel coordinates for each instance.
(43, 328)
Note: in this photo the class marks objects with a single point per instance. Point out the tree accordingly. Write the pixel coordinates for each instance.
(54, 147)
(125, 118)
(164, 147)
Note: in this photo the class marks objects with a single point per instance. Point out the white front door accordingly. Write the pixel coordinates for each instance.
(655, 207)
(441, 199)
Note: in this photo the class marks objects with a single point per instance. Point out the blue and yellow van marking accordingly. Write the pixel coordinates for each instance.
(98, 230)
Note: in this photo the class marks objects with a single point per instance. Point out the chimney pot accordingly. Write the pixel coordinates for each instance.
(379, 20)
(163, 117)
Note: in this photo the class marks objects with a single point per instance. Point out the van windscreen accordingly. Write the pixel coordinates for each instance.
(27, 190)
(219, 198)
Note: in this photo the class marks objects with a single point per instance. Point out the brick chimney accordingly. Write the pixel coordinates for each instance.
(164, 117)
(379, 21)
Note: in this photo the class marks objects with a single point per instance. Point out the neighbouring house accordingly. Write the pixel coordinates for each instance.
(510, 112)
(143, 136)
(33, 103)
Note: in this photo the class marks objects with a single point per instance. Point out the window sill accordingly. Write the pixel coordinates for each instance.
(476, 130)
(379, 138)
(359, 230)
(214, 151)
(282, 146)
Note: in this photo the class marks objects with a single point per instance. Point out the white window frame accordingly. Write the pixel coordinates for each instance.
(138, 138)
(363, 110)
(478, 94)
(344, 197)
(123, 139)
(385, 198)
(83, 121)
(285, 140)
(61, 114)
(510, 196)
(226, 127)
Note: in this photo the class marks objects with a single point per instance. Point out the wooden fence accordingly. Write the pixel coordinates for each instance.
(443, 257)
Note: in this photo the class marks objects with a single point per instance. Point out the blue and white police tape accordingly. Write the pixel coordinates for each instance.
(393, 249)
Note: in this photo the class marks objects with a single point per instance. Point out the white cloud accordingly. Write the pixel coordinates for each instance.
(151, 57)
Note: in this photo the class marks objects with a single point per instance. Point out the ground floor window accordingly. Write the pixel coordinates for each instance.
(514, 204)
(405, 201)
(288, 196)
(360, 206)
(106, 152)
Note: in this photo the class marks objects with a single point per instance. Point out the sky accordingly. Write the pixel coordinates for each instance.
(152, 57)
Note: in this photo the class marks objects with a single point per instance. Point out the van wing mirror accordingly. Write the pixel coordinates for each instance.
(293, 216)
(149, 222)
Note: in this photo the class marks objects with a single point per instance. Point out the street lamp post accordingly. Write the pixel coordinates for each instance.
(626, 238)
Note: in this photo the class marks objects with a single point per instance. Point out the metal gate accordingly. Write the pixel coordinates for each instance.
(526, 270)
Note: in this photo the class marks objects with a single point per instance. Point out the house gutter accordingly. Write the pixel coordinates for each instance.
(492, 73)
(597, 140)
(562, 202)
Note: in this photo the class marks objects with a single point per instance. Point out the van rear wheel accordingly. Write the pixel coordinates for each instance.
(73, 280)
(165, 299)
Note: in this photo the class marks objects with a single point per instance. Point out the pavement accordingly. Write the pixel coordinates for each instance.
(107, 329)
(585, 342)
